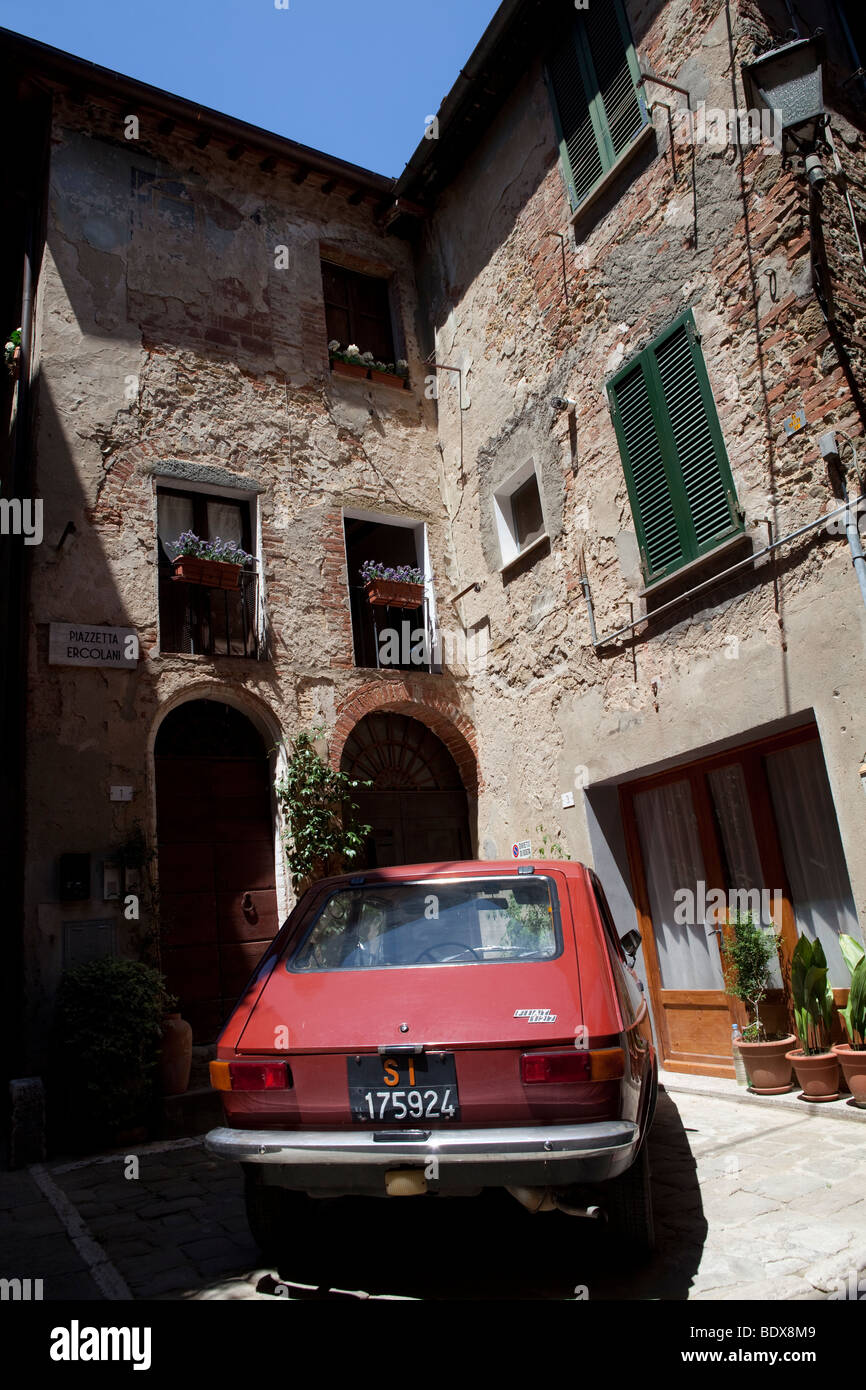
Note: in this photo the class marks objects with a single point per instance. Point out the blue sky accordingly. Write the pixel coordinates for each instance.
(355, 78)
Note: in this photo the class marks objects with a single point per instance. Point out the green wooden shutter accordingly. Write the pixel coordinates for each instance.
(677, 472)
(615, 76)
(662, 546)
(592, 73)
(696, 437)
(579, 145)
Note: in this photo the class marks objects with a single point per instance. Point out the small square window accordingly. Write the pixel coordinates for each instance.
(526, 513)
(519, 513)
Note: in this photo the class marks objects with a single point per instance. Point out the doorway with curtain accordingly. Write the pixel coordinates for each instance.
(758, 825)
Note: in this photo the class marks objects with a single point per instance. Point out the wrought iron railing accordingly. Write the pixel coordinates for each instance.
(211, 622)
(390, 637)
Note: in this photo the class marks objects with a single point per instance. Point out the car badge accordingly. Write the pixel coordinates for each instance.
(535, 1015)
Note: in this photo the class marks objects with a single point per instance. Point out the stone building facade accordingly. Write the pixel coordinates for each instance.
(189, 272)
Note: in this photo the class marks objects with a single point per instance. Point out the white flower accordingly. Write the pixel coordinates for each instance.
(353, 351)
(368, 358)
(333, 346)
(402, 365)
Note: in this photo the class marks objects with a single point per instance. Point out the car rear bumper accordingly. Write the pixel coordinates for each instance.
(356, 1160)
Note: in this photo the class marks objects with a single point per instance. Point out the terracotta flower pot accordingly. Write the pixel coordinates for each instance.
(357, 369)
(213, 574)
(767, 1065)
(176, 1059)
(818, 1075)
(395, 593)
(854, 1070)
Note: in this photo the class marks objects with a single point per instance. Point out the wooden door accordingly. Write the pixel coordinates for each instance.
(414, 827)
(217, 886)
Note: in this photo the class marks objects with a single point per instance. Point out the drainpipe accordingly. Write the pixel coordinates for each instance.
(830, 451)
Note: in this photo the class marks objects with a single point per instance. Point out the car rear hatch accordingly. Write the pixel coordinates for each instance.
(437, 1042)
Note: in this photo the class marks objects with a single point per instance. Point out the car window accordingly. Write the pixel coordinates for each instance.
(438, 922)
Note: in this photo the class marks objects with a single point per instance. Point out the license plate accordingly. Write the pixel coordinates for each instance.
(408, 1090)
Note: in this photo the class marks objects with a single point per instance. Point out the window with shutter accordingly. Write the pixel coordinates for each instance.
(592, 71)
(679, 480)
(357, 310)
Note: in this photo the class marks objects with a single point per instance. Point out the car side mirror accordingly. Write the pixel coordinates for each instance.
(630, 944)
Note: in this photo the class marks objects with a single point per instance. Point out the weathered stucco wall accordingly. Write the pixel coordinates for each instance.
(784, 640)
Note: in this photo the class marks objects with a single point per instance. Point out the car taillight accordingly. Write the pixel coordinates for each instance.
(604, 1064)
(250, 1076)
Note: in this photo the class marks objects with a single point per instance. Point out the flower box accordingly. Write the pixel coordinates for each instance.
(394, 593)
(213, 574)
(356, 369)
(399, 383)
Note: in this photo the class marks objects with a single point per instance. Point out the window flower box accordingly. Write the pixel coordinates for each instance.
(395, 587)
(351, 361)
(216, 564)
(382, 593)
(213, 574)
(400, 383)
(356, 369)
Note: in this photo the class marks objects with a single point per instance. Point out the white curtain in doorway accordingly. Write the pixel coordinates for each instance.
(742, 859)
(688, 954)
(812, 851)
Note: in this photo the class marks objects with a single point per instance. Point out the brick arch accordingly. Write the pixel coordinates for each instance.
(441, 716)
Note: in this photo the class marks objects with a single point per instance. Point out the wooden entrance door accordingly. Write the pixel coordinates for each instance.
(416, 807)
(695, 830)
(218, 905)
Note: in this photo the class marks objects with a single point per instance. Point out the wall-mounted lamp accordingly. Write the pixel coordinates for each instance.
(789, 81)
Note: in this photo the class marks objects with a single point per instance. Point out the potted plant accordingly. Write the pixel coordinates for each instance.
(109, 1035)
(391, 374)
(12, 352)
(746, 955)
(400, 586)
(816, 1065)
(217, 564)
(852, 1054)
(347, 361)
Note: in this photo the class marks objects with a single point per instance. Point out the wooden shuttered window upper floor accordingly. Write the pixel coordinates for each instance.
(592, 72)
(676, 467)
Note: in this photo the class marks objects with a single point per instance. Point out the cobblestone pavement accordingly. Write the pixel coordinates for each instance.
(751, 1203)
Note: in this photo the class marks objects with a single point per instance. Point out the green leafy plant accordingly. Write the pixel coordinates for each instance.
(549, 848)
(322, 835)
(109, 1017)
(353, 354)
(812, 995)
(854, 1013)
(747, 951)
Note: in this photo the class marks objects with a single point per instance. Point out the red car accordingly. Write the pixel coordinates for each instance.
(441, 1028)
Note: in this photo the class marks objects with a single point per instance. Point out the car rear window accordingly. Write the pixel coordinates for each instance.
(437, 922)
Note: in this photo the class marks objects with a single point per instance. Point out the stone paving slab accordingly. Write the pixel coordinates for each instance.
(752, 1202)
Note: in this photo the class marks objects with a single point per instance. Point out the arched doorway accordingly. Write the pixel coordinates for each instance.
(215, 837)
(417, 805)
